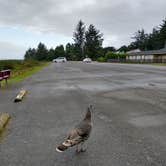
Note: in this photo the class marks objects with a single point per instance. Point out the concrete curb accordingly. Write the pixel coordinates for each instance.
(4, 119)
(20, 96)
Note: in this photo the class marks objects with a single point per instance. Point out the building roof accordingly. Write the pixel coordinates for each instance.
(151, 52)
(134, 51)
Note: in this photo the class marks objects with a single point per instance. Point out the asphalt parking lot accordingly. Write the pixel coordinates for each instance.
(129, 120)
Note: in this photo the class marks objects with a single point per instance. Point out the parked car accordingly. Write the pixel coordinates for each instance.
(87, 60)
(60, 59)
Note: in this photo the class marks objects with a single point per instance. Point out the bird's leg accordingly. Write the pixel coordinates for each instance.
(77, 149)
(82, 149)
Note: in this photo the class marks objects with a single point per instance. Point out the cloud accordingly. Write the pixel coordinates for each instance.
(11, 51)
(118, 20)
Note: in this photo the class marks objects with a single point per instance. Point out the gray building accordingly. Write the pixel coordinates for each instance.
(153, 56)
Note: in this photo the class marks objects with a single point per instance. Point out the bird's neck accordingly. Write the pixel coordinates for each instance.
(88, 116)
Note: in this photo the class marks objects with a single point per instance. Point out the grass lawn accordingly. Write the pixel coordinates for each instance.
(21, 70)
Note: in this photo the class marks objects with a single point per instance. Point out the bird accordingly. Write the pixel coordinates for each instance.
(79, 134)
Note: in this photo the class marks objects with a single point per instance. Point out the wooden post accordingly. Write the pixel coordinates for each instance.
(20, 96)
(6, 81)
(4, 118)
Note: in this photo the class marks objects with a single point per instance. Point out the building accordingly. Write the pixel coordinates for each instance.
(153, 56)
(134, 51)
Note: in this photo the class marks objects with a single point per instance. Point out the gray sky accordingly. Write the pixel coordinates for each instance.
(24, 23)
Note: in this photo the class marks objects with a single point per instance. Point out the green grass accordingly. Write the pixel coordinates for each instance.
(21, 69)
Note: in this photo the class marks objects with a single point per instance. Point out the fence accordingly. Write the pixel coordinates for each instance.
(137, 60)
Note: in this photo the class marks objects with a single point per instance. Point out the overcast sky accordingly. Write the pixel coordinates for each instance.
(25, 23)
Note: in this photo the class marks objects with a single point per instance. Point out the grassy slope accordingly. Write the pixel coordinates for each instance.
(27, 73)
(23, 70)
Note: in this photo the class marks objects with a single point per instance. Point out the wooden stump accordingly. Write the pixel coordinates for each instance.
(20, 96)
(4, 118)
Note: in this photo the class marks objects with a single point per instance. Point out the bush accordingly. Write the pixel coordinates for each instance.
(122, 56)
(30, 63)
(9, 64)
(17, 64)
(115, 56)
(111, 55)
(101, 59)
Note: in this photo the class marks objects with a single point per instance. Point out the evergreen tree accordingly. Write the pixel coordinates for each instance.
(141, 39)
(68, 52)
(71, 52)
(153, 41)
(108, 49)
(59, 51)
(163, 33)
(79, 39)
(93, 42)
(30, 54)
(123, 48)
(42, 52)
(51, 54)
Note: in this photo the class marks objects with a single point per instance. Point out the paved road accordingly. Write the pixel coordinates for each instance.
(129, 117)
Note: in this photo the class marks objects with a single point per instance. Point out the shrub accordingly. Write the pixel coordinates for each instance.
(101, 59)
(9, 64)
(17, 64)
(30, 63)
(111, 55)
(122, 56)
(116, 56)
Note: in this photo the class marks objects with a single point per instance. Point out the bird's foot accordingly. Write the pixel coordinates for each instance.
(82, 150)
(77, 151)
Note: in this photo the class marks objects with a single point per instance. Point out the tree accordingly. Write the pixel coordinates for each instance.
(163, 33)
(59, 50)
(41, 53)
(93, 42)
(141, 39)
(79, 39)
(111, 55)
(30, 54)
(123, 48)
(70, 51)
(108, 49)
(51, 54)
(152, 41)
